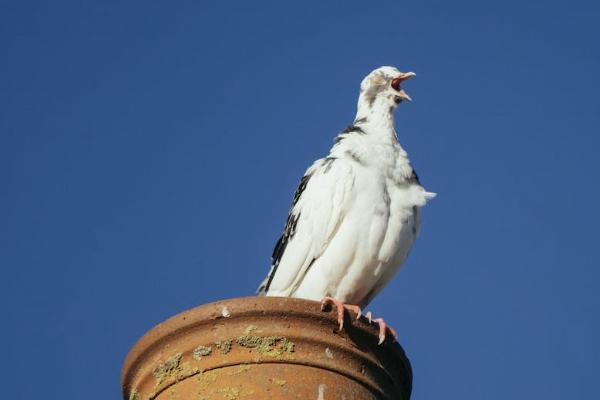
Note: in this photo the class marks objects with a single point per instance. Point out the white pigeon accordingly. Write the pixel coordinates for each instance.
(356, 213)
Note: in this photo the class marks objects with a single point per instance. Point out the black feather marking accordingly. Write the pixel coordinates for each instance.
(415, 211)
(288, 233)
(301, 187)
(353, 128)
(354, 156)
(373, 92)
(414, 178)
(327, 164)
(301, 278)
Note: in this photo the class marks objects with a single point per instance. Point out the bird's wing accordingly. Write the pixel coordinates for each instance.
(319, 206)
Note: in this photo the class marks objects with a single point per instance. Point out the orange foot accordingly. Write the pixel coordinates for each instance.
(384, 328)
(340, 309)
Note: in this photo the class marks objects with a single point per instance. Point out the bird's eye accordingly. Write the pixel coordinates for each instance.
(396, 83)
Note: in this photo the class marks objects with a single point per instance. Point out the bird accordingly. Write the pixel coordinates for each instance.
(356, 212)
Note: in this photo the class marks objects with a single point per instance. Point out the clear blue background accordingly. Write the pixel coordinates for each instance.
(149, 152)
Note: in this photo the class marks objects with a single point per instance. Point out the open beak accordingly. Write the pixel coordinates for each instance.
(402, 94)
(403, 77)
(406, 76)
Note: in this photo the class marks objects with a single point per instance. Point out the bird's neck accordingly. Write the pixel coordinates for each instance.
(377, 119)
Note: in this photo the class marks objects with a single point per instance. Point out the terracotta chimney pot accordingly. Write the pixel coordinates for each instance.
(264, 348)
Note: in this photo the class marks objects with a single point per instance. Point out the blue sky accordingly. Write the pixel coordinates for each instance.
(149, 153)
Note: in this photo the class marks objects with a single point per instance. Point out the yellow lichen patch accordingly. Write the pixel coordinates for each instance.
(209, 382)
(201, 351)
(185, 370)
(167, 369)
(230, 393)
(224, 346)
(279, 382)
(135, 395)
(272, 346)
(206, 379)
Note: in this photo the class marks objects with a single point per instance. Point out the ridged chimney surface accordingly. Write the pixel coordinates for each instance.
(264, 348)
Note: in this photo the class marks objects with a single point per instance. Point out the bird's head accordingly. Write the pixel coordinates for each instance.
(381, 89)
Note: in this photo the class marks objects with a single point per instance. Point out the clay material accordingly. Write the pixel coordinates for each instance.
(264, 348)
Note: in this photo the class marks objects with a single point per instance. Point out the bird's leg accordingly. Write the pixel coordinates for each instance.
(327, 300)
(384, 329)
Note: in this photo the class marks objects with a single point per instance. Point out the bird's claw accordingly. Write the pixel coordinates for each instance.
(355, 308)
(384, 329)
(327, 300)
